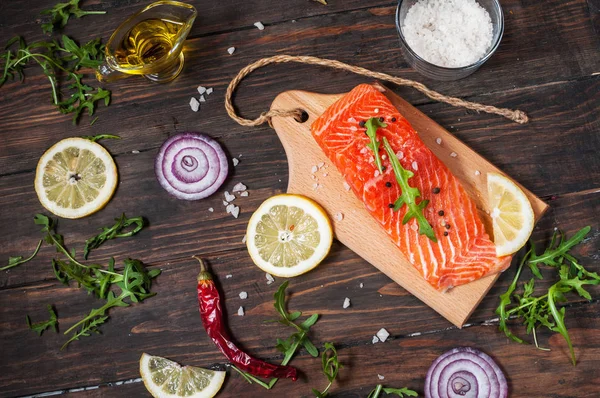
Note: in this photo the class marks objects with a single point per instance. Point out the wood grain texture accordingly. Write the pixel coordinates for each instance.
(358, 230)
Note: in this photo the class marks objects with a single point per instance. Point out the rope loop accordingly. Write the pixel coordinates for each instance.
(517, 116)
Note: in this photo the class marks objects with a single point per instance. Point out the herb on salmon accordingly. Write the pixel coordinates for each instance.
(39, 327)
(409, 195)
(537, 311)
(372, 125)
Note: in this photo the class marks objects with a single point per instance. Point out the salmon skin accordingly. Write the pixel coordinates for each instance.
(463, 252)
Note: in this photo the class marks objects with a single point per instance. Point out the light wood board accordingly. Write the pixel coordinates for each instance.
(358, 230)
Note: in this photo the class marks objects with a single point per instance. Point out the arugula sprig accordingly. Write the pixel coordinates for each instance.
(18, 260)
(542, 311)
(54, 57)
(96, 138)
(290, 345)
(116, 231)
(409, 195)
(372, 125)
(401, 392)
(61, 12)
(39, 327)
(331, 366)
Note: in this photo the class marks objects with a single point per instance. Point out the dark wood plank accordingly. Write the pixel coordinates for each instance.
(169, 325)
(530, 55)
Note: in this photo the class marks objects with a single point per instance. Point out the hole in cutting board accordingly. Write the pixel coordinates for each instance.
(303, 116)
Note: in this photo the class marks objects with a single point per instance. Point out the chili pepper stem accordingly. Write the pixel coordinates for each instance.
(204, 274)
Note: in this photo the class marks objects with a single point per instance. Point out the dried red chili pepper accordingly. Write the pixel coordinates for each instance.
(212, 319)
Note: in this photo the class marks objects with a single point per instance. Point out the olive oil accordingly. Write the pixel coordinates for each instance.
(148, 42)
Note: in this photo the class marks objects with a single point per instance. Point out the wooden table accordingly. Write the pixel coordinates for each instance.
(548, 64)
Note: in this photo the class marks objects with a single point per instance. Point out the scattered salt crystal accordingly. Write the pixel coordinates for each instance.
(239, 187)
(399, 155)
(351, 120)
(346, 303)
(229, 208)
(360, 285)
(438, 141)
(454, 154)
(245, 193)
(376, 174)
(314, 169)
(376, 110)
(364, 150)
(235, 162)
(211, 209)
(202, 99)
(235, 212)
(383, 157)
(477, 172)
(225, 203)
(259, 25)
(383, 335)
(209, 91)
(353, 128)
(244, 239)
(381, 377)
(339, 216)
(270, 278)
(448, 33)
(346, 186)
(135, 151)
(325, 174)
(230, 50)
(414, 227)
(243, 295)
(375, 340)
(194, 104)
(201, 90)
(241, 311)
(315, 186)
(321, 164)
(229, 197)
(415, 166)
(228, 276)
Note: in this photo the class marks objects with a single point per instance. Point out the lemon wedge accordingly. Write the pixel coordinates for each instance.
(512, 215)
(75, 177)
(288, 235)
(164, 378)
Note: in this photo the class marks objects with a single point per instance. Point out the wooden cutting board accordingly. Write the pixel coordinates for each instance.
(358, 230)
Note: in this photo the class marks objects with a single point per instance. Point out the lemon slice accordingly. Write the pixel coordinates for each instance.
(512, 215)
(75, 177)
(164, 378)
(288, 235)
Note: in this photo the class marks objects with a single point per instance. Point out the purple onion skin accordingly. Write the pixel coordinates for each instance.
(206, 173)
(463, 382)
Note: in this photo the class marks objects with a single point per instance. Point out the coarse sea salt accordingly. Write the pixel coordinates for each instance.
(346, 303)
(448, 33)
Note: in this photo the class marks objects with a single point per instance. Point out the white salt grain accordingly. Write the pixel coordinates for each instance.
(361, 285)
(239, 187)
(225, 203)
(209, 91)
(438, 141)
(235, 212)
(211, 209)
(201, 90)
(270, 278)
(383, 334)
(415, 166)
(346, 303)
(346, 186)
(202, 99)
(245, 193)
(135, 151)
(448, 33)
(241, 311)
(230, 50)
(243, 295)
(244, 239)
(381, 377)
(454, 154)
(259, 25)
(339, 216)
(229, 197)
(235, 162)
(194, 104)
(399, 155)
(228, 276)
(477, 172)
(321, 164)
(314, 169)
(375, 340)
(229, 208)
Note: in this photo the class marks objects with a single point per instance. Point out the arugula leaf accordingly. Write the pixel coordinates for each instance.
(331, 366)
(372, 125)
(116, 231)
(401, 392)
(65, 58)
(96, 138)
(18, 260)
(409, 195)
(61, 12)
(39, 327)
(543, 311)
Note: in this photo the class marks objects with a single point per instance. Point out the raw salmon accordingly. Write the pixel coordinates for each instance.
(466, 252)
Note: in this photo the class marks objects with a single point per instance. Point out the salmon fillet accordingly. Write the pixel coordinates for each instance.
(466, 253)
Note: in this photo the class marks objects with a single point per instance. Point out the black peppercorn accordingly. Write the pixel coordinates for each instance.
(445, 233)
(436, 190)
(441, 213)
(391, 205)
(388, 184)
(361, 123)
(447, 226)
(393, 119)
(384, 169)
(381, 119)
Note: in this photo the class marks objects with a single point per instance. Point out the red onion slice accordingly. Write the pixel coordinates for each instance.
(191, 166)
(465, 372)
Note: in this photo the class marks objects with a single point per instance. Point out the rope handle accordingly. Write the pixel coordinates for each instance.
(514, 115)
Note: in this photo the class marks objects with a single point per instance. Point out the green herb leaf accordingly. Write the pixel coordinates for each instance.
(401, 392)
(116, 231)
(330, 365)
(18, 260)
(372, 125)
(96, 138)
(60, 14)
(409, 195)
(39, 327)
